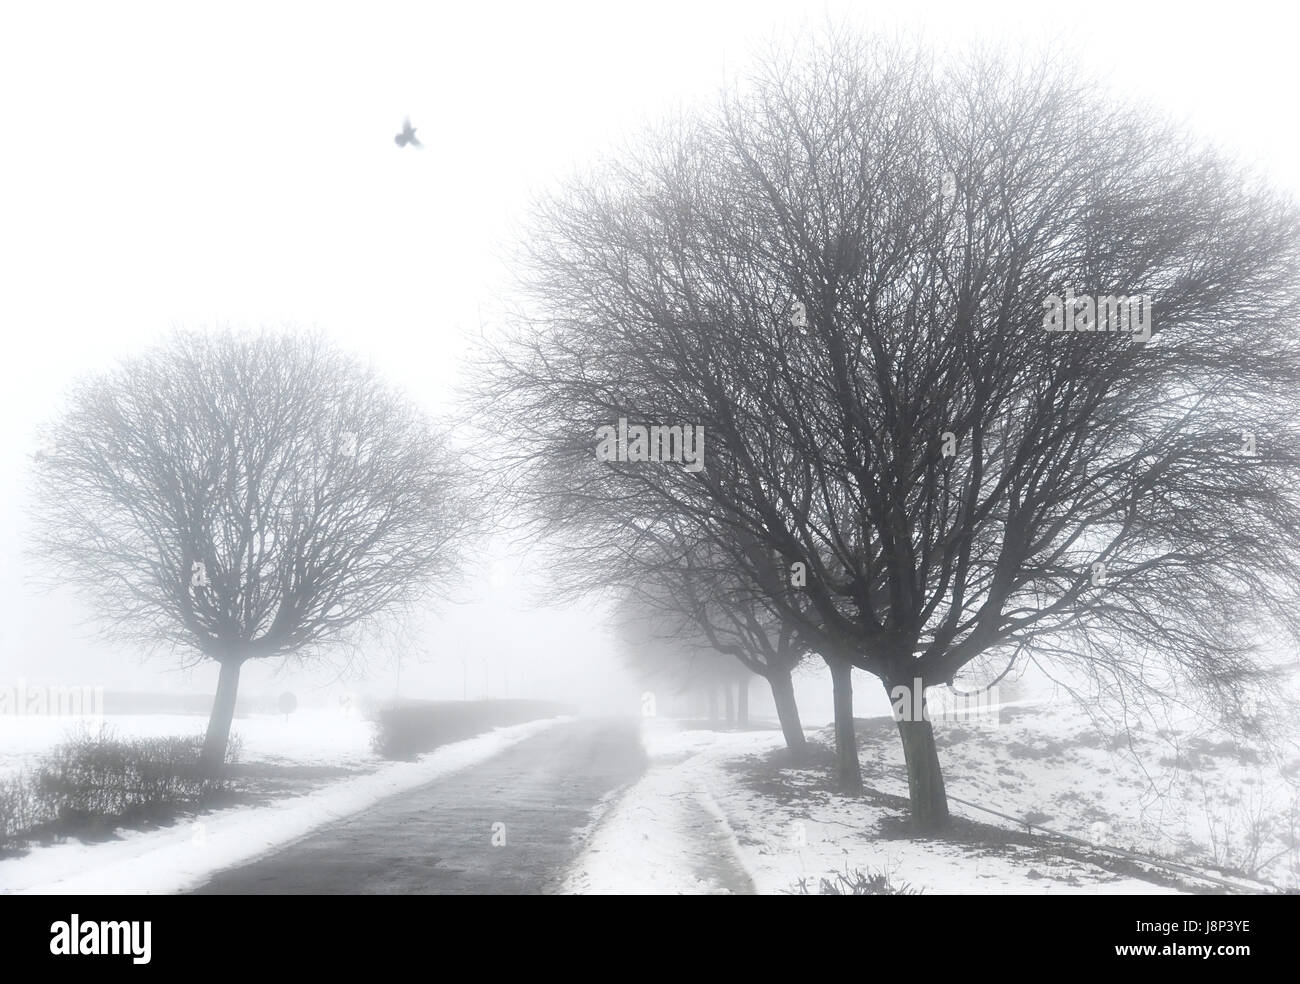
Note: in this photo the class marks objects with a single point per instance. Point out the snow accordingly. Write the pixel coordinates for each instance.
(665, 835)
(693, 824)
(785, 844)
(181, 857)
(323, 737)
(1179, 789)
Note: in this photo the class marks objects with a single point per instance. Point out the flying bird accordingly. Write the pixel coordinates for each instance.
(407, 136)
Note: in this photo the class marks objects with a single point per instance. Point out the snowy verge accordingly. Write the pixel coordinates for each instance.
(800, 842)
(664, 834)
(181, 857)
(1178, 788)
(696, 824)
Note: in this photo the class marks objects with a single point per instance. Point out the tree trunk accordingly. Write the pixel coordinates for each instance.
(848, 772)
(742, 702)
(731, 702)
(212, 761)
(787, 712)
(713, 703)
(929, 799)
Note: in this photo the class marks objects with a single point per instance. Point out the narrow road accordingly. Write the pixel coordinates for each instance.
(506, 826)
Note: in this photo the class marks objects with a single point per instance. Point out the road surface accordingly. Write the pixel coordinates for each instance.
(505, 826)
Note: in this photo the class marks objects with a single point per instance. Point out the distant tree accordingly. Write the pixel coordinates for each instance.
(234, 497)
(842, 275)
(743, 624)
(669, 658)
(688, 607)
(674, 583)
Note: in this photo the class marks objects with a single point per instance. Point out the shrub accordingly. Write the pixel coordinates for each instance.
(17, 809)
(857, 882)
(94, 780)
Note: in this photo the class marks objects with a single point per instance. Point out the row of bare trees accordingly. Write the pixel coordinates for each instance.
(838, 275)
(840, 272)
(683, 618)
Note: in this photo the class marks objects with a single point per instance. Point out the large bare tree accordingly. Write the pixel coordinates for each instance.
(234, 497)
(842, 275)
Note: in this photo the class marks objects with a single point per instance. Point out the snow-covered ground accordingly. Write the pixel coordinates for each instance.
(665, 835)
(305, 737)
(711, 815)
(670, 833)
(1179, 790)
(181, 857)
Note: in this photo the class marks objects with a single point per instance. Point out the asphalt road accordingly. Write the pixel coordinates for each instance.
(505, 826)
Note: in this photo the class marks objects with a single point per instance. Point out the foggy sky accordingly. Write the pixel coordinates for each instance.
(163, 167)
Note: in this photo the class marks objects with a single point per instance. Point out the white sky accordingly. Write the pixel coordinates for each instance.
(174, 163)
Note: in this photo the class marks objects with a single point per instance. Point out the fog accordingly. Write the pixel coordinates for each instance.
(165, 168)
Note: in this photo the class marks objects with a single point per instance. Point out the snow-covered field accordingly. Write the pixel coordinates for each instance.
(306, 737)
(182, 856)
(707, 816)
(1180, 790)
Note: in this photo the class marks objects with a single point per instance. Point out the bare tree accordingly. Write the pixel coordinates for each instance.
(842, 276)
(670, 656)
(688, 597)
(602, 535)
(234, 497)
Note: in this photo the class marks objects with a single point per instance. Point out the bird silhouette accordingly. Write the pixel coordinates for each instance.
(407, 136)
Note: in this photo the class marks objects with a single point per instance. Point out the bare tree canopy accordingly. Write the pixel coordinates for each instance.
(844, 275)
(234, 496)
